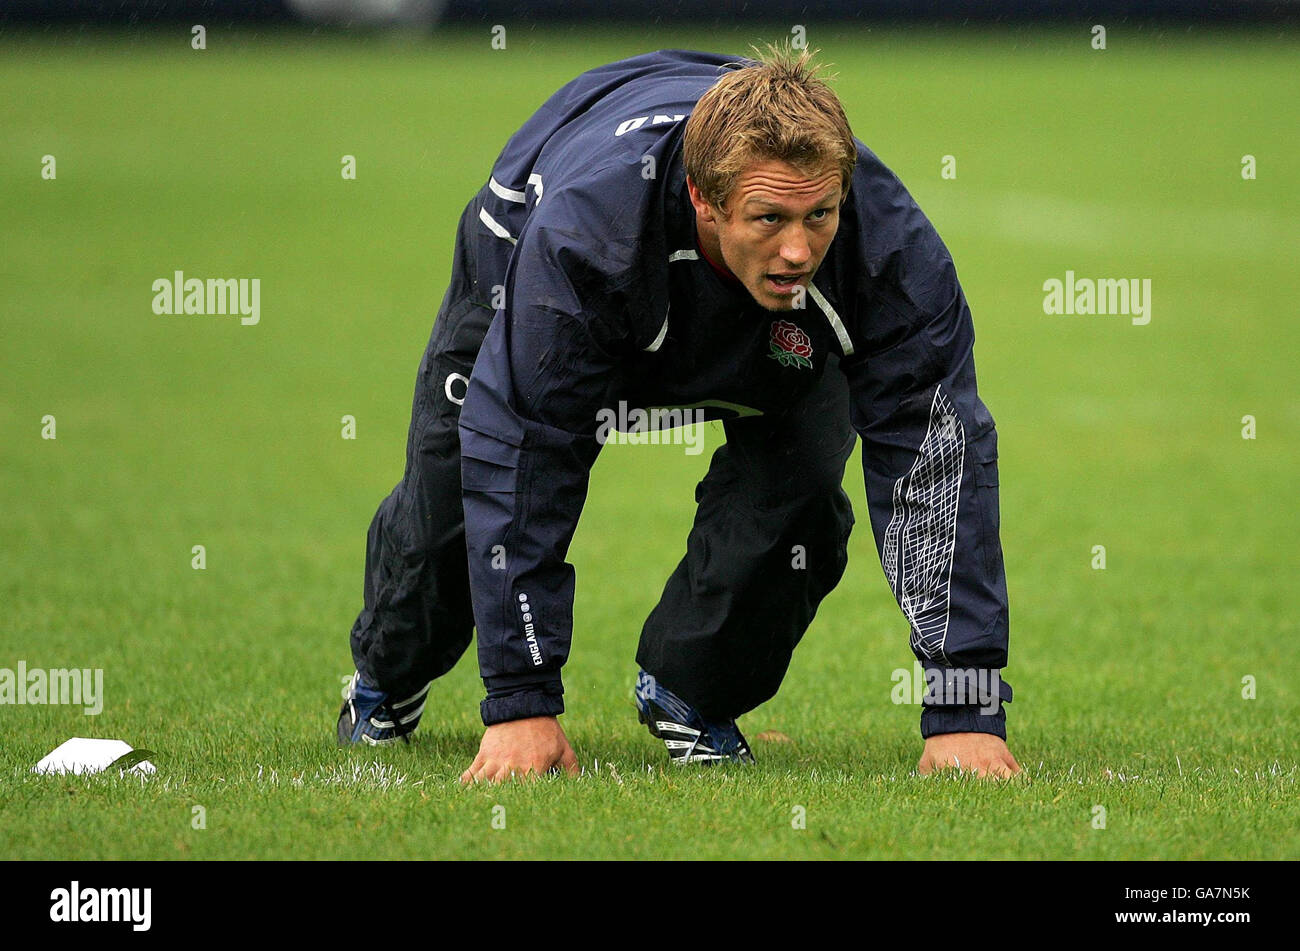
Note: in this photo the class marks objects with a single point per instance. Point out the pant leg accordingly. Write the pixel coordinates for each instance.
(769, 542)
(418, 620)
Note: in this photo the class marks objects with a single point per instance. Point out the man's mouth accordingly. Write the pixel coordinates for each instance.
(784, 282)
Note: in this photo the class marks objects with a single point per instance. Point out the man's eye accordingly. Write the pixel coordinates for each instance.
(769, 219)
(820, 214)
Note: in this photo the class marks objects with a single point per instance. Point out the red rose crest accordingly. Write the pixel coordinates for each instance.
(790, 345)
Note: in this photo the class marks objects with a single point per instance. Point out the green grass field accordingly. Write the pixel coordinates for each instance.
(182, 431)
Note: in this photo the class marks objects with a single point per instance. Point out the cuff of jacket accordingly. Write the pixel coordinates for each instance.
(958, 716)
(534, 700)
(936, 720)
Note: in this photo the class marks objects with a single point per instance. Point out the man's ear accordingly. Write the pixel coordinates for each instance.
(703, 209)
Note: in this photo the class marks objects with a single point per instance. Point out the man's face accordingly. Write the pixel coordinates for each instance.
(774, 230)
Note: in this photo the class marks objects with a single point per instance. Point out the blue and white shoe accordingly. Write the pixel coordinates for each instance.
(689, 737)
(368, 716)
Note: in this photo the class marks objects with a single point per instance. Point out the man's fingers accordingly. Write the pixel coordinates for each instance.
(502, 760)
(929, 763)
(1001, 768)
(1004, 767)
(489, 771)
(985, 756)
(983, 768)
(470, 775)
(494, 772)
(539, 767)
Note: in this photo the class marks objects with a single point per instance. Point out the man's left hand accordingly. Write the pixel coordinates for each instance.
(987, 755)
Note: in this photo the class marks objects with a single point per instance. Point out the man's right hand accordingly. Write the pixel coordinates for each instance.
(524, 748)
(983, 754)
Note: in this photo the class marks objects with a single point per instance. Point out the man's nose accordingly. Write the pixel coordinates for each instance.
(794, 246)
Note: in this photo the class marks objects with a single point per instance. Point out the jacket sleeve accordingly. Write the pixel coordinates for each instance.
(930, 463)
(528, 441)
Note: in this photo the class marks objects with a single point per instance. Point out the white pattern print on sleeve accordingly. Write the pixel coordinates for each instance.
(919, 570)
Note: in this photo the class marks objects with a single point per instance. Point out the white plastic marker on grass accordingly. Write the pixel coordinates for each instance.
(80, 755)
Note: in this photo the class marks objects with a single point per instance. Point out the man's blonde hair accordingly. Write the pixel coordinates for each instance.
(776, 108)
